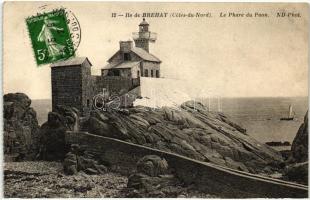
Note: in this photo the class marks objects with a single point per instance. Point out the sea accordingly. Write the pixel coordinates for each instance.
(260, 116)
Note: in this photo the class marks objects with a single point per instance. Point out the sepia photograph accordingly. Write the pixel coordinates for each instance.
(155, 100)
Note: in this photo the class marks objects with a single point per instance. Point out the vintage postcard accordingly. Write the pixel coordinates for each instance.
(155, 100)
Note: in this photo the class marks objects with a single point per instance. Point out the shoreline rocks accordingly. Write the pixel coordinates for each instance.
(154, 179)
(299, 147)
(191, 130)
(79, 160)
(297, 168)
(297, 172)
(21, 129)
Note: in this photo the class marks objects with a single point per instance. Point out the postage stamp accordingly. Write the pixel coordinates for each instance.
(72, 22)
(50, 37)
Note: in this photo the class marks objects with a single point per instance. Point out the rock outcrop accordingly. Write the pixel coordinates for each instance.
(151, 171)
(21, 129)
(152, 165)
(297, 168)
(80, 160)
(153, 179)
(297, 172)
(191, 130)
(52, 132)
(300, 143)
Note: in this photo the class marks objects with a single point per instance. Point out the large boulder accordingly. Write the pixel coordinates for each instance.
(190, 130)
(300, 143)
(21, 130)
(152, 165)
(80, 160)
(152, 179)
(53, 146)
(20, 98)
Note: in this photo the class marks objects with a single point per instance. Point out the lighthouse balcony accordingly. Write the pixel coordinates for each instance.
(144, 35)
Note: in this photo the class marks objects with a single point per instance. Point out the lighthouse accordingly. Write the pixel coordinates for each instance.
(144, 36)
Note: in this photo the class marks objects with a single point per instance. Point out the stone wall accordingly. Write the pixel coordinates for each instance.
(87, 89)
(142, 43)
(135, 71)
(122, 156)
(115, 84)
(125, 46)
(127, 100)
(150, 66)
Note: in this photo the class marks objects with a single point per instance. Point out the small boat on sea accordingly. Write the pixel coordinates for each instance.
(291, 114)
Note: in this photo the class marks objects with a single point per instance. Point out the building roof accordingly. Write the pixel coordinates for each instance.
(122, 65)
(71, 62)
(143, 22)
(144, 54)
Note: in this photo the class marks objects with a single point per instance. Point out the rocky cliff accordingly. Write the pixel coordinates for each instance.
(297, 168)
(300, 143)
(190, 130)
(21, 129)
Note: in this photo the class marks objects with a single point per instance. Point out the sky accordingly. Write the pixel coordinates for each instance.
(228, 57)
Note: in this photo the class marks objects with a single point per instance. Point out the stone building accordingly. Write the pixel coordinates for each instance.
(73, 85)
(135, 61)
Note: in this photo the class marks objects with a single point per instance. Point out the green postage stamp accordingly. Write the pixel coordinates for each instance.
(50, 37)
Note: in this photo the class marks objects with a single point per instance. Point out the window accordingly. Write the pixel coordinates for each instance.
(146, 73)
(114, 72)
(138, 74)
(126, 56)
(88, 103)
(157, 73)
(151, 73)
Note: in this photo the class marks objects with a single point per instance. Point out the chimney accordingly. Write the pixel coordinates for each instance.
(126, 46)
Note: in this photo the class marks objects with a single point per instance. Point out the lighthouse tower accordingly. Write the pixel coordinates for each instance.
(144, 36)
